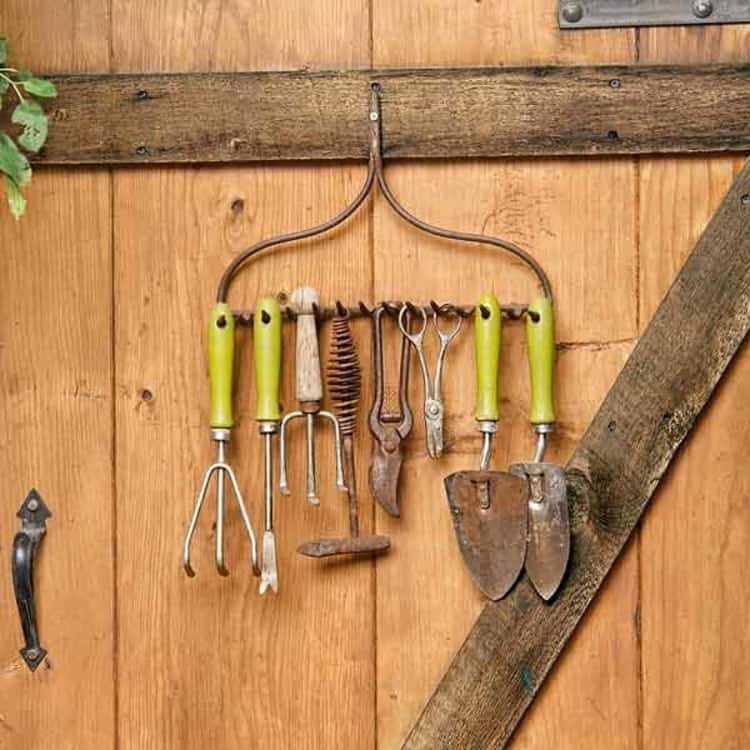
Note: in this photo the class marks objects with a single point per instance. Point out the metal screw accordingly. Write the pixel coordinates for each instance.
(33, 504)
(615, 83)
(572, 12)
(32, 653)
(745, 200)
(702, 8)
(373, 116)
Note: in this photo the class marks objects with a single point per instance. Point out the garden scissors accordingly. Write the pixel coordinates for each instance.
(433, 402)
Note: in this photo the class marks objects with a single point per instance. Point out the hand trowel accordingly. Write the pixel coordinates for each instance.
(548, 545)
(489, 508)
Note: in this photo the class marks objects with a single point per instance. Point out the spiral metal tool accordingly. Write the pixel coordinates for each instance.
(345, 386)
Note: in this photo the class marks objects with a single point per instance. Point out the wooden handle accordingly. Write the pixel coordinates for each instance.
(309, 382)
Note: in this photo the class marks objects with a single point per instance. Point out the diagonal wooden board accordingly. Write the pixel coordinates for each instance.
(615, 470)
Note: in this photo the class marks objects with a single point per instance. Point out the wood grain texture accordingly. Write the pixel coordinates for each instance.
(578, 218)
(694, 540)
(308, 374)
(613, 473)
(474, 112)
(225, 667)
(56, 417)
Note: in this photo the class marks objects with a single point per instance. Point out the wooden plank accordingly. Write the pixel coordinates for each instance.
(474, 112)
(426, 600)
(654, 403)
(225, 667)
(694, 540)
(56, 416)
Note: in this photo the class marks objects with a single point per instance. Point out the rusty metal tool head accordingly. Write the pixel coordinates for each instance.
(345, 385)
(220, 369)
(388, 428)
(548, 547)
(309, 392)
(489, 508)
(434, 409)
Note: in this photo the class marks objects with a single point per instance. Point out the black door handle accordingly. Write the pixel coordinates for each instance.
(33, 514)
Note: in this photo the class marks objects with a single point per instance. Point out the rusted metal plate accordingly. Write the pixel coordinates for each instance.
(489, 512)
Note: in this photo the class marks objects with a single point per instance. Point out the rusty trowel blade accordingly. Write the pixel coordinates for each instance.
(548, 547)
(489, 512)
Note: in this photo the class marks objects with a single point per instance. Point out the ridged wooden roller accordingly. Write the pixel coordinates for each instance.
(344, 375)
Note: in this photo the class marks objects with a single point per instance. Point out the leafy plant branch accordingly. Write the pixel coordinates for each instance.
(29, 114)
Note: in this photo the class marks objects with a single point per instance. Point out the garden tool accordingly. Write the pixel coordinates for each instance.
(548, 545)
(434, 410)
(309, 391)
(345, 383)
(389, 429)
(489, 508)
(267, 332)
(220, 371)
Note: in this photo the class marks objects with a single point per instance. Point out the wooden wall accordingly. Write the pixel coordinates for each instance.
(105, 288)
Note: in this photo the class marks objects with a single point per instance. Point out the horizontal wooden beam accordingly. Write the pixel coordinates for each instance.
(615, 470)
(427, 113)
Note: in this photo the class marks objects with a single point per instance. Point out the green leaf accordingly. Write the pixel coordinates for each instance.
(34, 121)
(4, 85)
(13, 162)
(16, 201)
(3, 50)
(40, 87)
(24, 75)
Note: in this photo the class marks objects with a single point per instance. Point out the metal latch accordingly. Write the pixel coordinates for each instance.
(587, 14)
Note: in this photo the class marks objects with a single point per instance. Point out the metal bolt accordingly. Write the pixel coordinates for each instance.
(745, 200)
(572, 12)
(33, 504)
(373, 116)
(702, 8)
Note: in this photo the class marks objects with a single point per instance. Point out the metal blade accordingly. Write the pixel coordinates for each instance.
(268, 576)
(548, 547)
(385, 472)
(489, 511)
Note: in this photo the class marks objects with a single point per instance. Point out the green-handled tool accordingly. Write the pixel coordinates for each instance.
(548, 546)
(489, 508)
(267, 333)
(220, 344)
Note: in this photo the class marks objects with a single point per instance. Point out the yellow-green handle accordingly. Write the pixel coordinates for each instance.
(488, 334)
(221, 364)
(267, 339)
(540, 335)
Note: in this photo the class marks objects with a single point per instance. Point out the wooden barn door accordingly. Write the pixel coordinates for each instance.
(105, 287)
